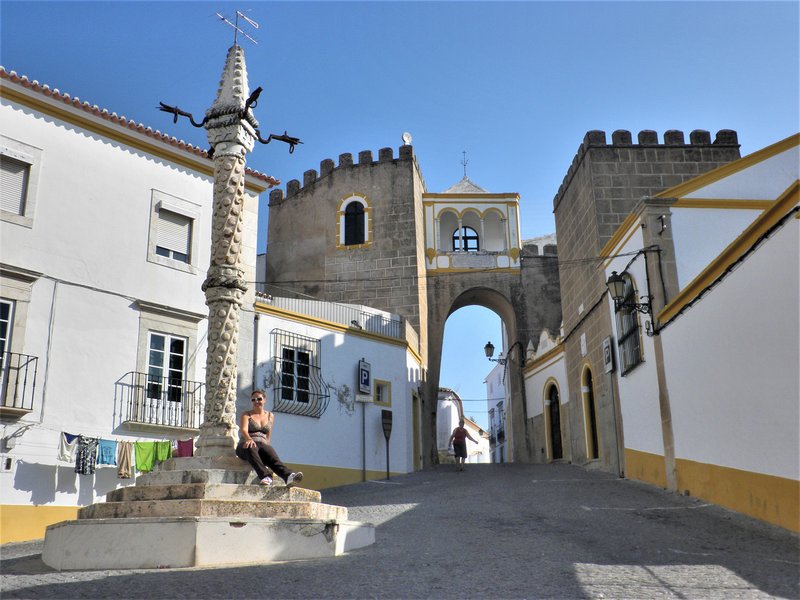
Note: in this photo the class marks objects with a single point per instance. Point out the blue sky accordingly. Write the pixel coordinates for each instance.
(514, 84)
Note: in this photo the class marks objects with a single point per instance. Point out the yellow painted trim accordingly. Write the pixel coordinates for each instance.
(266, 309)
(646, 467)
(725, 203)
(733, 252)
(23, 522)
(621, 235)
(551, 381)
(768, 498)
(556, 352)
(119, 134)
(320, 477)
(388, 385)
(473, 270)
(455, 197)
(587, 366)
(714, 175)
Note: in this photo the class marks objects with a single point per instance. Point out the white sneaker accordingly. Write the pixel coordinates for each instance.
(266, 481)
(294, 478)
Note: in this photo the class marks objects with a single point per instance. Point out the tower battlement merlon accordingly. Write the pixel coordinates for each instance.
(646, 138)
(328, 166)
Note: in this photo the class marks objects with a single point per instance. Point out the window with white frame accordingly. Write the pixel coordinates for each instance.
(6, 322)
(298, 385)
(13, 184)
(383, 393)
(353, 221)
(628, 335)
(166, 367)
(19, 174)
(173, 238)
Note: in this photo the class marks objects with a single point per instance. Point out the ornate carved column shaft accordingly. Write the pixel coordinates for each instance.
(231, 133)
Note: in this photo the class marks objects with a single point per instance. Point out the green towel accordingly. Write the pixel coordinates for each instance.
(145, 455)
(163, 450)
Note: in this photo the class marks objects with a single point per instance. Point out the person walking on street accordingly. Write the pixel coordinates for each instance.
(458, 440)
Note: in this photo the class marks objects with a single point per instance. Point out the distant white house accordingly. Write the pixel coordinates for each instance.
(105, 231)
(708, 385)
(450, 410)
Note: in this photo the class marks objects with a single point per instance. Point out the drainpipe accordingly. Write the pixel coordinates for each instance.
(255, 349)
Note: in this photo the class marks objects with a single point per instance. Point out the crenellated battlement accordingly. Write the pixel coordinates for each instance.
(621, 139)
(328, 166)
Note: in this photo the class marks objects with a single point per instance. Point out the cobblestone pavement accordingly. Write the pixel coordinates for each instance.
(493, 531)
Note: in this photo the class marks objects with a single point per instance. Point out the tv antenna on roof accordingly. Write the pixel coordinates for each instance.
(236, 28)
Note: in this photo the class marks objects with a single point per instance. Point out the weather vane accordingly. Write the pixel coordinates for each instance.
(252, 101)
(464, 162)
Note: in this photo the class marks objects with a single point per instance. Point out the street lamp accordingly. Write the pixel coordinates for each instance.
(489, 350)
(616, 287)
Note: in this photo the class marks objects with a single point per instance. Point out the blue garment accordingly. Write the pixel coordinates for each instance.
(107, 452)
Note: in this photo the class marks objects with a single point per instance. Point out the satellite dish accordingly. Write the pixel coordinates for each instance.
(407, 138)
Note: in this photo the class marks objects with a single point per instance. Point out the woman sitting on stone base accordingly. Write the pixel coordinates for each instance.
(255, 429)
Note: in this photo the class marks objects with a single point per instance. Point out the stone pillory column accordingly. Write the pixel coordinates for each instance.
(231, 130)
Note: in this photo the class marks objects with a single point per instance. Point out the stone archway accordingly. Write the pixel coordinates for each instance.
(457, 294)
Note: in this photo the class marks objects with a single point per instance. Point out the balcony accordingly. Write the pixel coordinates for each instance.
(161, 404)
(17, 383)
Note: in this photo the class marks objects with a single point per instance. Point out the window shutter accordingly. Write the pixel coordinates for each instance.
(13, 184)
(174, 232)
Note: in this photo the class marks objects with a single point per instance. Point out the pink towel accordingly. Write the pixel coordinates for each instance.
(185, 448)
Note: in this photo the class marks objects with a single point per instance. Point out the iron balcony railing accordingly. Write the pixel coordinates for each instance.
(166, 401)
(18, 381)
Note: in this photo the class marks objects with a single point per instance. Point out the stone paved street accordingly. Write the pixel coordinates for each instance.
(493, 531)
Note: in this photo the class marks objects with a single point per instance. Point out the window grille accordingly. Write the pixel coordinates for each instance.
(469, 237)
(14, 176)
(629, 339)
(354, 224)
(298, 385)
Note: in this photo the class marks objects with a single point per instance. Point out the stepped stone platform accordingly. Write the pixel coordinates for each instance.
(199, 511)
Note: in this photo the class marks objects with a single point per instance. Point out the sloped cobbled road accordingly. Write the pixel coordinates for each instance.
(493, 531)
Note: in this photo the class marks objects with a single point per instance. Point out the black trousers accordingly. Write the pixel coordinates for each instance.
(262, 457)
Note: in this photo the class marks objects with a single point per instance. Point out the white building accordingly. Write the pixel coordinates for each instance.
(449, 411)
(309, 355)
(105, 233)
(546, 390)
(496, 401)
(709, 404)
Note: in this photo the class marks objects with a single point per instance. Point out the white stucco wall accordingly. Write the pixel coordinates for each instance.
(335, 438)
(638, 389)
(701, 234)
(89, 240)
(732, 363)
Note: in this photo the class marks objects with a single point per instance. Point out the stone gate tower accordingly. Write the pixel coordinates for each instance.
(370, 233)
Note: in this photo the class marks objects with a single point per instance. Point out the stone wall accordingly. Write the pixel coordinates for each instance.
(303, 256)
(601, 188)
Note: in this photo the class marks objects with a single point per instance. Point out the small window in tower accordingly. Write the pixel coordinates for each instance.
(354, 224)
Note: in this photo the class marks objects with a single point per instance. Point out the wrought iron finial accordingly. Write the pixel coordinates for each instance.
(464, 162)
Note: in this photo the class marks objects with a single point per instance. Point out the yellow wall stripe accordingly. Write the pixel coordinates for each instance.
(646, 467)
(22, 523)
(733, 252)
(768, 498)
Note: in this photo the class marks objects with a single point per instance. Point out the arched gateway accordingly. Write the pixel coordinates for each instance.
(421, 255)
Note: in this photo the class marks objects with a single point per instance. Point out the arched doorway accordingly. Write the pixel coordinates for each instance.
(590, 415)
(554, 425)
